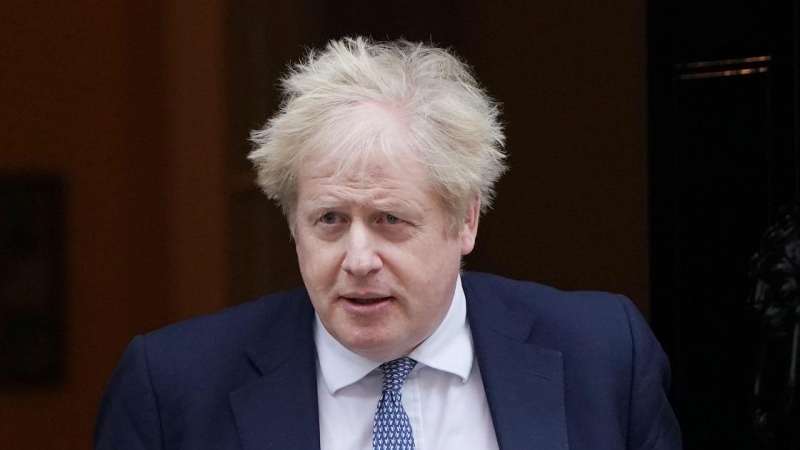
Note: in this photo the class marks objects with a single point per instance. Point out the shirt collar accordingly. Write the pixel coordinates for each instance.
(448, 349)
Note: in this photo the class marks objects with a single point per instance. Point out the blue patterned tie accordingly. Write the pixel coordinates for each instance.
(392, 429)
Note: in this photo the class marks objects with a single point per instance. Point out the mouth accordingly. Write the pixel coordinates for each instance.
(367, 301)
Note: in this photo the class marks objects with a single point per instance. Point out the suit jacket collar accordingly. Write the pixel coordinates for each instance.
(524, 382)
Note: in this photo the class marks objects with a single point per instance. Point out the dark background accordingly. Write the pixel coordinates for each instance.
(723, 146)
(143, 109)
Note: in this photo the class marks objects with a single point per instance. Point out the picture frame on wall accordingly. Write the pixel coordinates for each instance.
(32, 279)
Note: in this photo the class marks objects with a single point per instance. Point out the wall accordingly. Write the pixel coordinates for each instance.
(572, 210)
(107, 95)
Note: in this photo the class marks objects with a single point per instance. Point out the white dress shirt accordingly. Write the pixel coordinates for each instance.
(443, 396)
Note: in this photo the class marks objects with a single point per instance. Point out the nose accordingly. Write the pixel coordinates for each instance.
(361, 257)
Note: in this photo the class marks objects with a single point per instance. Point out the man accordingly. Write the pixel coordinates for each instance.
(383, 157)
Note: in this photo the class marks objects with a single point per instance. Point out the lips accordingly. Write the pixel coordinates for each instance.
(366, 304)
(367, 300)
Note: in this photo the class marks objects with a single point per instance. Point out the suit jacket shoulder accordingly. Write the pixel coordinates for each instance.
(173, 387)
(592, 349)
(554, 318)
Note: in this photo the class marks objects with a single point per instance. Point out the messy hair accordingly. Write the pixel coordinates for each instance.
(448, 122)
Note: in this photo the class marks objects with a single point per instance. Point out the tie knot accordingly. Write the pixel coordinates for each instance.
(395, 373)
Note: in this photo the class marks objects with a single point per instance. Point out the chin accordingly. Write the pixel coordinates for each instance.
(375, 349)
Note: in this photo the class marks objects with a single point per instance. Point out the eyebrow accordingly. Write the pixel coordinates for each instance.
(331, 201)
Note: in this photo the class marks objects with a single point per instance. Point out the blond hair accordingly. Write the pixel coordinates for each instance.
(450, 123)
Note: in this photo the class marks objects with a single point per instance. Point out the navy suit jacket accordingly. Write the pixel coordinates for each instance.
(560, 370)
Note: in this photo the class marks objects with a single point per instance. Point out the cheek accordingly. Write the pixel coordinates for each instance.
(442, 254)
(318, 260)
(301, 250)
(306, 259)
(431, 266)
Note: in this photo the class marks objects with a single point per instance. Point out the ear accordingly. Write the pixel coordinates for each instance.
(469, 230)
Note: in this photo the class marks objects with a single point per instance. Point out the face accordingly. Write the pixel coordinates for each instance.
(377, 256)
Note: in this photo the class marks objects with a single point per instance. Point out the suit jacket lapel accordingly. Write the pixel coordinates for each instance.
(279, 410)
(524, 383)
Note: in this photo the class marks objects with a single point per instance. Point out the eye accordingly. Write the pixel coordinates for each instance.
(393, 220)
(328, 218)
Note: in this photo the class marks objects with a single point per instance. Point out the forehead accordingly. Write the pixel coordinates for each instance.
(368, 142)
(398, 184)
(378, 175)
